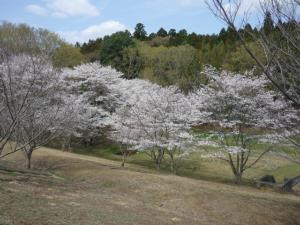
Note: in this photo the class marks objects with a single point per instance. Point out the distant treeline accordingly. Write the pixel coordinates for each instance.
(166, 57)
(171, 57)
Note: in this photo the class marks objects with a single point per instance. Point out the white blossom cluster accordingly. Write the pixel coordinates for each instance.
(32, 108)
(145, 115)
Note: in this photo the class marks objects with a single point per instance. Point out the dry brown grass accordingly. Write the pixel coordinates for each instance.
(72, 189)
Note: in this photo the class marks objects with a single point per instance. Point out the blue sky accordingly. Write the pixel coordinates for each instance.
(80, 20)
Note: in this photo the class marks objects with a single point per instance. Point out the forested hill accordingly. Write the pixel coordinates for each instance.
(171, 57)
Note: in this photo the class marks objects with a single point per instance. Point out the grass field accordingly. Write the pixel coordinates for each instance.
(196, 166)
(67, 188)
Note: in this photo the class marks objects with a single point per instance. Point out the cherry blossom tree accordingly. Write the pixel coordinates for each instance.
(93, 102)
(20, 77)
(142, 116)
(157, 120)
(153, 120)
(279, 38)
(33, 106)
(39, 104)
(124, 132)
(26, 78)
(240, 107)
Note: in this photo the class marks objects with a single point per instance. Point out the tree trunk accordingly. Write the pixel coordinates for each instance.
(123, 159)
(69, 144)
(238, 178)
(159, 158)
(172, 163)
(28, 160)
(172, 166)
(157, 162)
(63, 146)
(66, 145)
(157, 165)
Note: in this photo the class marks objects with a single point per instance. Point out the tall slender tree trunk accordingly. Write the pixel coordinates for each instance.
(28, 159)
(157, 164)
(159, 159)
(63, 146)
(172, 164)
(123, 159)
(66, 145)
(238, 178)
(69, 144)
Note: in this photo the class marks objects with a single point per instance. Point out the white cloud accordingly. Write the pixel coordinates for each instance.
(72, 8)
(93, 32)
(65, 8)
(36, 9)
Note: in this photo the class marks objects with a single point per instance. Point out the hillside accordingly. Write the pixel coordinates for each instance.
(66, 188)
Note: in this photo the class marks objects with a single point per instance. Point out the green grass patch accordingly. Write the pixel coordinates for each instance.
(288, 171)
(195, 166)
(105, 150)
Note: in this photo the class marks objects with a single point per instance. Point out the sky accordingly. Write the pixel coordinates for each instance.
(81, 20)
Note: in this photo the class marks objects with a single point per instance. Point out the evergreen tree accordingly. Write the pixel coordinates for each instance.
(140, 32)
(112, 48)
(223, 35)
(172, 32)
(268, 25)
(172, 35)
(182, 36)
(231, 38)
(151, 36)
(194, 40)
(248, 32)
(77, 44)
(162, 32)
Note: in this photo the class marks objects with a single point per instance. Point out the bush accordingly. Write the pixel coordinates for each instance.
(174, 65)
(67, 56)
(133, 63)
(240, 61)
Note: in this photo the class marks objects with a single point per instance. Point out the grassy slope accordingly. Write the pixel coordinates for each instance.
(202, 168)
(88, 190)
